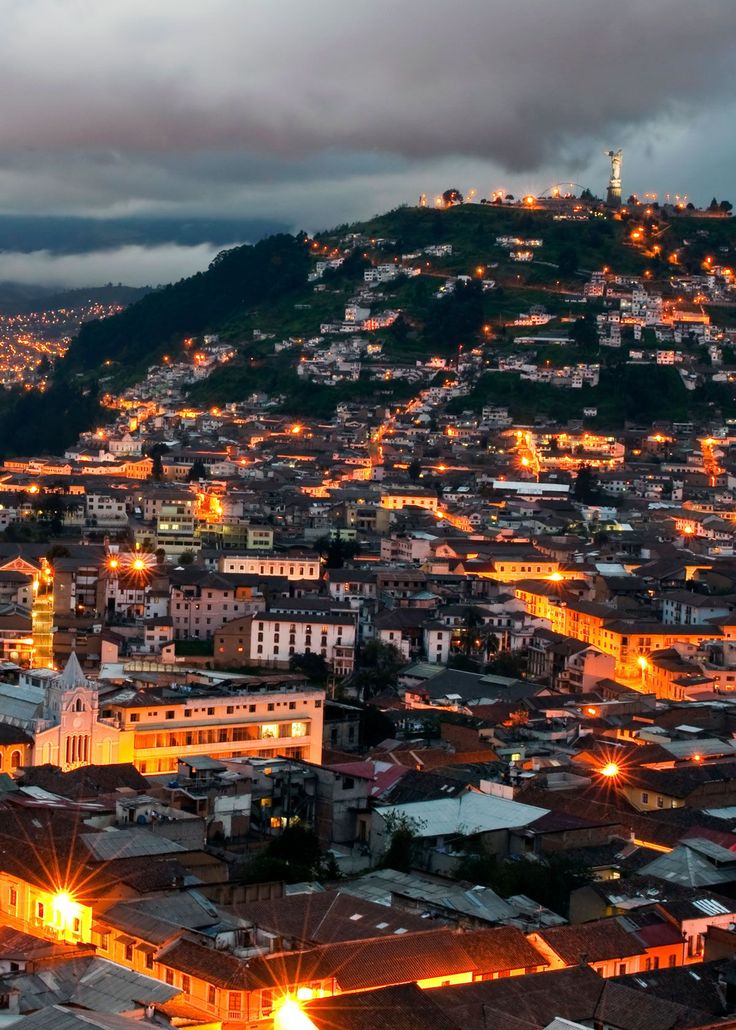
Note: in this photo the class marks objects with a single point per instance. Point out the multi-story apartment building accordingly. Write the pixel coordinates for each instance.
(105, 508)
(232, 534)
(272, 638)
(176, 528)
(147, 502)
(201, 602)
(76, 583)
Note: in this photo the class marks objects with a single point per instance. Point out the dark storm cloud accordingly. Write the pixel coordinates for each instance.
(133, 265)
(511, 80)
(316, 112)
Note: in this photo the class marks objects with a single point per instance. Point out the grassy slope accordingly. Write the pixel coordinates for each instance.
(146, 329)
(472, 231)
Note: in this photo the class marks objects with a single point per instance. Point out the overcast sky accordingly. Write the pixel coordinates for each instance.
(323, 111)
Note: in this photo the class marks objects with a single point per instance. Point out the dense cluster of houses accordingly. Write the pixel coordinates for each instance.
(483, 673)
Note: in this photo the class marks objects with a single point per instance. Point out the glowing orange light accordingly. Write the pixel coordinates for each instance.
(610, 769)
(138, 565)
(113, 563)
(63, 903)
(289, 1016)
(591, 710)
(697, 757)
(642, 662)
(65, 913)
(555, 577)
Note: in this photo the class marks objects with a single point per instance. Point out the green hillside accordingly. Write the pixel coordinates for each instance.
(235, 280)
(264, 288)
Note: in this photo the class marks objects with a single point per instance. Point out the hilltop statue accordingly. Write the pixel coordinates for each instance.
(613, 196)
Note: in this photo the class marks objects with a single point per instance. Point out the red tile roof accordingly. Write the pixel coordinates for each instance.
(362, 965)
(599, 941)
(401, 1008)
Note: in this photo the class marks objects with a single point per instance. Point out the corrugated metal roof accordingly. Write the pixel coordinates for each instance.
(57, 1018)
(480, 902)
(469, 813)
(725, 812)
(708, 746)
(138, 843)
(93, 983)
(710, 906)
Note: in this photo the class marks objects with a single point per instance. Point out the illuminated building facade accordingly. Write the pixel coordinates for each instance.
(397, 500)
(42, 618)
(302, 566)
(630, 642)
(52, 912)
(176, 529)
(73, 721)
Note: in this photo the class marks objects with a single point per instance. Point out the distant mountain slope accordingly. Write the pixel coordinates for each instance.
(235, 280)
(33, 423)
(19, 299)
